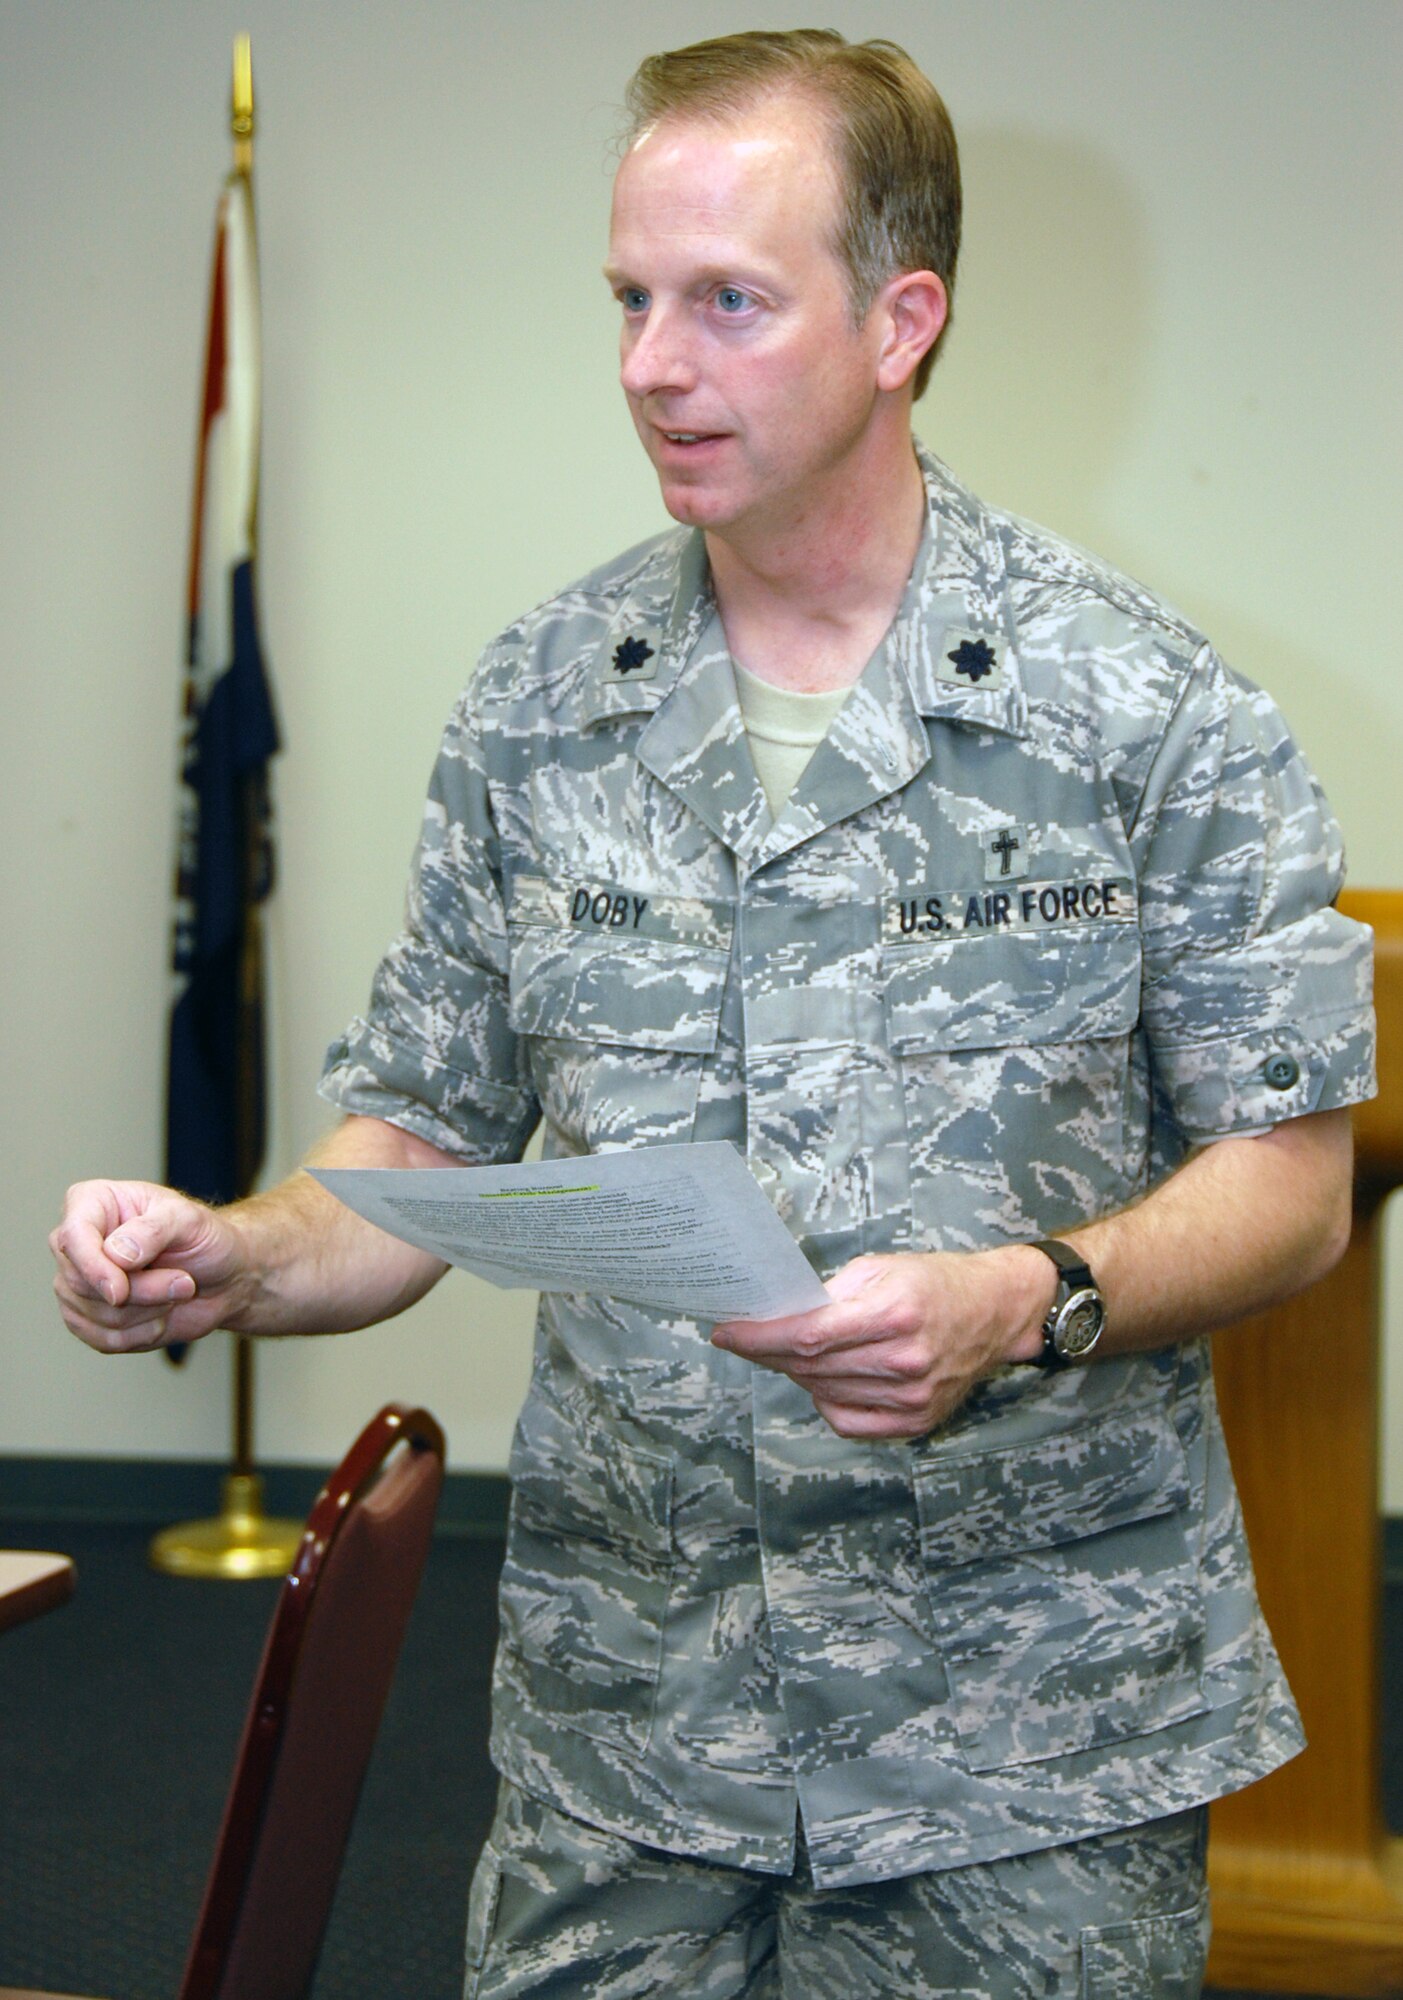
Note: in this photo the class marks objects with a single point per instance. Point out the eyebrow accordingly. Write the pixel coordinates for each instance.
(711, 274)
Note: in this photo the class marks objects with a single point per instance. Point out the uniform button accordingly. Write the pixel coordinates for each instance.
(1281, 1071)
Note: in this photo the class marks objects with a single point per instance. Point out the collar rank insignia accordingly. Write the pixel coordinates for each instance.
(631, 657)
(1005, 853)
(967, 659)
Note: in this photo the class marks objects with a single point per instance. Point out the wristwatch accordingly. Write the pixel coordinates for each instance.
(1078, 1315)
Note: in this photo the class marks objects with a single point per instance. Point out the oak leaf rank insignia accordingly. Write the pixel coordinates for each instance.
(974, 657)
(970, 660)
(631, 656)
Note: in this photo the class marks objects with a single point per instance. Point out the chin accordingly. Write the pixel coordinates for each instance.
(696, 509)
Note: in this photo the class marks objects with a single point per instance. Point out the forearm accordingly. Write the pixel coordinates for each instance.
(314, 1266)
(907, 1336)
(1242, 1225)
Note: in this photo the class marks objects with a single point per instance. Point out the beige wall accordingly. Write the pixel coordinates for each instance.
(1177, 342)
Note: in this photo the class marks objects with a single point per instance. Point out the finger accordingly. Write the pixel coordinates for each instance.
(147, 1292)
(120, 1333)
(835, 1329)
(77, 1245)
(139, 1240)
(69, 1281)
(161, 1287)
(83, 1313)
(857, 1422)
(856, 1278)
(123, 1337)
(867, 1392)
(142, 1338)
(111, 1228)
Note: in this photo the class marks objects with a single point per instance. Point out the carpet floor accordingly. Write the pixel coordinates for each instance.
(119, 1717)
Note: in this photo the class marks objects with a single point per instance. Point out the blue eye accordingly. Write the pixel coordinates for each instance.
(633, 299)
(732, 300)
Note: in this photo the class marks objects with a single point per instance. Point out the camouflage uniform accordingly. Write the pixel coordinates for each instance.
(1050, 906)
(564, 1911)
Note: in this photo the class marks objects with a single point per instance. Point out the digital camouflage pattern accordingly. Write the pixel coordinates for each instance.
(1050, 905)
(565, 1911)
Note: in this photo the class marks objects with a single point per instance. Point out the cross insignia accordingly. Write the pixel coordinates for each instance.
(1006, 846)
(1006, 854)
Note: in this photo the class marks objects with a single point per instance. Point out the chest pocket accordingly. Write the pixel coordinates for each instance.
(619, 995)
(1015, 1056)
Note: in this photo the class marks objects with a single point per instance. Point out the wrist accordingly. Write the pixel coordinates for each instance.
(1073, 1330)
(238, 1279)
(1028, 1288)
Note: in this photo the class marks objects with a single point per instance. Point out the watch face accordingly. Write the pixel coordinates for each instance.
(1079, 1324)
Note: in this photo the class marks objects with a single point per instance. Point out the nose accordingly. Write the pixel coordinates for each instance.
(655, 354)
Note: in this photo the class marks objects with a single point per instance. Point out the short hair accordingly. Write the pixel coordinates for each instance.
(893, 144)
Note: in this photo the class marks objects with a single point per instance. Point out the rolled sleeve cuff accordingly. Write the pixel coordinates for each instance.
(371, 1072)
(1292, 1028)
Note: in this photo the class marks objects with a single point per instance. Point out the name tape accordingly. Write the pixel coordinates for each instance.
(609, 909)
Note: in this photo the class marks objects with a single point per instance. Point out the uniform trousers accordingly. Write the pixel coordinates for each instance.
(565, 1911)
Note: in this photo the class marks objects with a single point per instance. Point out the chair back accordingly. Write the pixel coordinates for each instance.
(325, 1673)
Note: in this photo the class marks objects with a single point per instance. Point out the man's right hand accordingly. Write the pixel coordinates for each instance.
(140, 1266)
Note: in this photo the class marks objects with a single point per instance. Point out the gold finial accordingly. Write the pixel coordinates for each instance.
(241, 109)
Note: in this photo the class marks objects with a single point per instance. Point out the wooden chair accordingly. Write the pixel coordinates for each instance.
(326, 1670)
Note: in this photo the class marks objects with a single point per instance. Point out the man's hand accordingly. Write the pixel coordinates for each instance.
(906, 1337)
(1240, 1226)
(140, 1266)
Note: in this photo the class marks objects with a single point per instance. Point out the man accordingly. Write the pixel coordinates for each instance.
(894, 1648)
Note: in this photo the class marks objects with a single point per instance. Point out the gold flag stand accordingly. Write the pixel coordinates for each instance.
(241, 1540)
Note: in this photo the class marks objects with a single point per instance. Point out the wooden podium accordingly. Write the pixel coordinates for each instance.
(1307, 1883)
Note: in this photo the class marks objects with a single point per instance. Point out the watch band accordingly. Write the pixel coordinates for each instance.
(1069, 1262)
(1077, 1288)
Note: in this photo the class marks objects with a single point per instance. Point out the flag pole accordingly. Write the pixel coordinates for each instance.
(241, 1540)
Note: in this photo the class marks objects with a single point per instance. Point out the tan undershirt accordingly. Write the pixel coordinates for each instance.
(784, 728)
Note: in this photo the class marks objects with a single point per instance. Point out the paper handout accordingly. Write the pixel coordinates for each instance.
(683, 1228)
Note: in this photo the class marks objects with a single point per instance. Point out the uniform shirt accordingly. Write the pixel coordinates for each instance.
(1049, 906)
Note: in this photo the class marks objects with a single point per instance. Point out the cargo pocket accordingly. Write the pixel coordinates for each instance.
(1015, 1064)
(1064, 1591)
(1158, 1958)
(619, 1018)
(585, 1582)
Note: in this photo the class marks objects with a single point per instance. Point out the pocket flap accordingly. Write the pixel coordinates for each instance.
(573, 1479)
(1161, 1956)
(1013, 989)
(653, 980)
(1128, 1466)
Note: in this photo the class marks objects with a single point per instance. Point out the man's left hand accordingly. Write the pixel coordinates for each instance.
(906, 1337)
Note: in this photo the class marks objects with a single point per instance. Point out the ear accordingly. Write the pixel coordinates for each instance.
(916, 307)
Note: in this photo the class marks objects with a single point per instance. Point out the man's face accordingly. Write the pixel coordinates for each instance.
(749, 386)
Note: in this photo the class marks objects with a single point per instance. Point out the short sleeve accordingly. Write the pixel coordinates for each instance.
(1257, 1000)
(434, 1052)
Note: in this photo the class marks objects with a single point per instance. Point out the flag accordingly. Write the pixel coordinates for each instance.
(228, 734)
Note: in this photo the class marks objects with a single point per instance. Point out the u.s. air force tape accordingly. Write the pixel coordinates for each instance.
(1023, 906)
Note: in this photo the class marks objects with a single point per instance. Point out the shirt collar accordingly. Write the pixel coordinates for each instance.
(956, 598)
